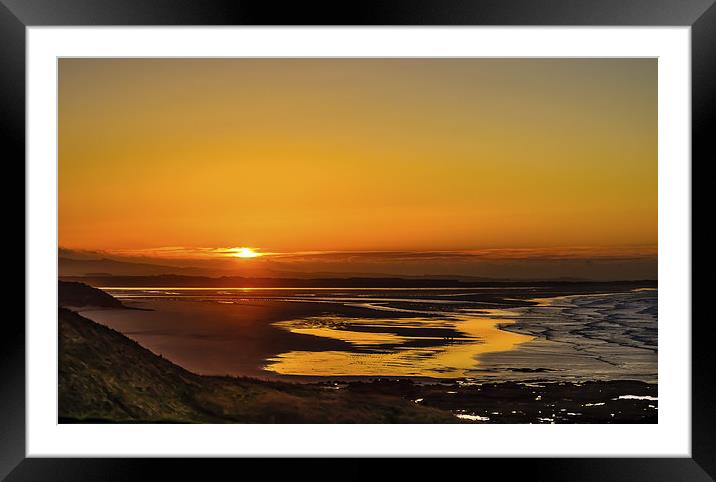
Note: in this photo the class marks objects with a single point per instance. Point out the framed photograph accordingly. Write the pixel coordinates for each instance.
(421, 229)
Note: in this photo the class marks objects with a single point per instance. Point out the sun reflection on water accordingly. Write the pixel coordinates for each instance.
(378, 348)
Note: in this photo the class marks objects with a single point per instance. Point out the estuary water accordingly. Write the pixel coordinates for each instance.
(496, 333)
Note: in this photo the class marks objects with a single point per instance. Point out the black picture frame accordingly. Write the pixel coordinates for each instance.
(17, 15)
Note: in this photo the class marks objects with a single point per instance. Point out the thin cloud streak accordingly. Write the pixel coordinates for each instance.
(506, 254)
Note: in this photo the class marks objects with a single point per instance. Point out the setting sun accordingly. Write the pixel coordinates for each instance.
(244, 253)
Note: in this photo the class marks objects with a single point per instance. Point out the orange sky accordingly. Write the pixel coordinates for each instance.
(295, 155)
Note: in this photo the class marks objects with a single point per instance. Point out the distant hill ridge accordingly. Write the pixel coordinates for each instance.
(83, 267)
(353, 282)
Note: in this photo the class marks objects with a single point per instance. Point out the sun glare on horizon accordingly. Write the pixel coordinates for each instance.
(244, 253)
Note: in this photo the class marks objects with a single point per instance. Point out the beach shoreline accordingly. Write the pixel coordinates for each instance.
(511, 391)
